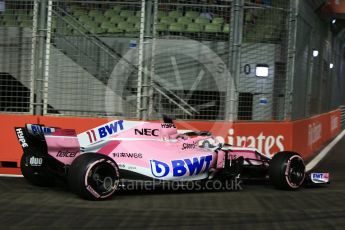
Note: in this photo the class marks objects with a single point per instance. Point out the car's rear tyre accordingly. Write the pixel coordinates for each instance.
(287, 170)
(93, 176)
(35, 174)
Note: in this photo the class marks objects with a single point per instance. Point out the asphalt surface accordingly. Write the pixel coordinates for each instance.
(255, 207)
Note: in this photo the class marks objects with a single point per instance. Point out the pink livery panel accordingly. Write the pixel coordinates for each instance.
(63, 145)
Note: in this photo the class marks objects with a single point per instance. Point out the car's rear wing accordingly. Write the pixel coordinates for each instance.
(31, 138)
(42, 141)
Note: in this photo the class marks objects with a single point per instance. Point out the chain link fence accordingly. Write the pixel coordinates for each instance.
(16, 83)
(262, 77)
(89, 42)
(191, 58)
(203, 60)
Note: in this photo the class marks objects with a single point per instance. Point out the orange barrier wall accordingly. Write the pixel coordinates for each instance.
(335, 6)
(303, 136)
(309, 135)
(10, 149)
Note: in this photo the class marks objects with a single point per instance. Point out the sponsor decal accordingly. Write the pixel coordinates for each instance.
(110, 129)
(334, 122)
(168, 126)
(319, 178)
(314, 133)
(189, 145)
(21, 138)
(262, 142)
(92, 135)
(36, 129)
(146, 132)
(128, 155)
(159, 169)
(105, 130)
(66, 153)
(180, 168)
(35, 161)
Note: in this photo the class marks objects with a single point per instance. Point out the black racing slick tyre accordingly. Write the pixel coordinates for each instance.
(34, 173)
(93, 176)
(287, 170)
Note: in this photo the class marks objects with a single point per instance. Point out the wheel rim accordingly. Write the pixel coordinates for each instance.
(102, 178)
(295, 171)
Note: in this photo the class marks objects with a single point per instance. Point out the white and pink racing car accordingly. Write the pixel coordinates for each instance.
(93, 162)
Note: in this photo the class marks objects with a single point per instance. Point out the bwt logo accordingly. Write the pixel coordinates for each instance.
(181, 167)
(110, 129)
(105, 130)
(320, 176)
(41, 129)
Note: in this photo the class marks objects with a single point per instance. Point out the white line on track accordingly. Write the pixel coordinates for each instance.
(324, 152)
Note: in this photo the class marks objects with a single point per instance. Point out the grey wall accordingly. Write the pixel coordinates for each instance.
(316, 87)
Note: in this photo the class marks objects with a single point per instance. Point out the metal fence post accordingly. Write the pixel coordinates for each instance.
(33, 57)
(40, 58)
(144, 60)
(140, 60)
(147, 60)
(291, 59)
(47, 57)
(154, 19)
(235, 41)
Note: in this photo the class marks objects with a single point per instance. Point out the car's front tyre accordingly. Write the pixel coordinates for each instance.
(287, 170)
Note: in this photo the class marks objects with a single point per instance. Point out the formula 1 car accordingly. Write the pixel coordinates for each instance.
(94, 161)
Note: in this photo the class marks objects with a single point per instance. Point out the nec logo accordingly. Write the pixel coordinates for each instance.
(181, 167)
(146, 132)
